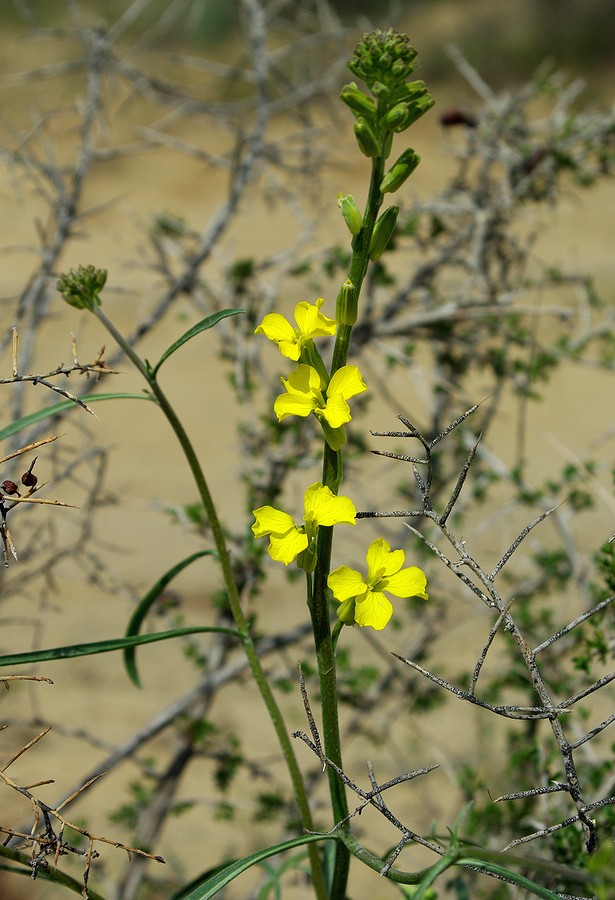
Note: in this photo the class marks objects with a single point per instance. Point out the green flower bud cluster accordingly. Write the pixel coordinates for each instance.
(384, 60)
(81, 287)
(383, 56)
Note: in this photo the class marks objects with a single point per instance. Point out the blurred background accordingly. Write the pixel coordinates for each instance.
(165, 161)
(506, 41)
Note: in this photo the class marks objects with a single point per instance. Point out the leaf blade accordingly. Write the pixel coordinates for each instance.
(108, 646)
(204, 325)
(55, 408)
(145, 604)
(224, 876)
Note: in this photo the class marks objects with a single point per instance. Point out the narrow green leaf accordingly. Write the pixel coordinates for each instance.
(431, 876)
(205, 324)
(37, 656)
(203, 890)
(55, 408)
(520, 880)
(145, 605)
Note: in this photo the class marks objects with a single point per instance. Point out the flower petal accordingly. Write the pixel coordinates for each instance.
(290, 349)
(382, 561)
(303, 393)
(304, 380)
(346, 382)
(284, 548)
(311, 322)
(293, 405)
(373, 609)
(346, 583)
(336, 412)
(276, 328)
(270, 520)
(410, 582)
(324, 508)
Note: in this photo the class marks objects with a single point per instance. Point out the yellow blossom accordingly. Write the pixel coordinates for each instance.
(288, 540)
(310, 321)
(362, 600)
(305, 393)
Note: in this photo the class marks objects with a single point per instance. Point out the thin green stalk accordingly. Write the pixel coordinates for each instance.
(359, 260)
(233, 596)
(331, 477)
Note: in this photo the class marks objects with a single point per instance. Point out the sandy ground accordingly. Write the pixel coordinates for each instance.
(94, 694)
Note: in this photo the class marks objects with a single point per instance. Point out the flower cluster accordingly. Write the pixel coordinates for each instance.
(307, 392)
(310, 321)
(288, 540)
(310, 389)
(362, 599)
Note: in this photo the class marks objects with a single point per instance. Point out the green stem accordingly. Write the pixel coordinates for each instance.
(360, 258)
(331, 477)
(233, 596)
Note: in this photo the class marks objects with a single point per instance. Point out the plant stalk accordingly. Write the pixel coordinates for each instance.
(239, 618)
(331, 478)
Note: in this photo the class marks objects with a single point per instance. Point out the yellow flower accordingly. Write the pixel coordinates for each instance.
(310, 321)
(305, 393)
(287, 539)
(363, 601)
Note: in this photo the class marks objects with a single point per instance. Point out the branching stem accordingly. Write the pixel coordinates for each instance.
(234, 600)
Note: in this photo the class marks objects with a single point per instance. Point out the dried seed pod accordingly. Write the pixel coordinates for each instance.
(28, 478)
(9, 487)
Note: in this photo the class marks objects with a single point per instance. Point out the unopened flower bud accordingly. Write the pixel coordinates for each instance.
(399, 171)
(411, 91)
(406, 113)
(366, 139)
(383, 56)
(9, 487)
(81, 287)
(417, 109)
(358, 102)
(346, 611)
(380, 90)
(383, 231)
(350, 212)
(399, 69)
(394, 119)
(347, 303)
(388, 145)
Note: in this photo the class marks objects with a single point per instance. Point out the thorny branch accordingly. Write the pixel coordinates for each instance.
(370, 798)
(482, 584)
(98, 367)
(45, 839)
(374, 798)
